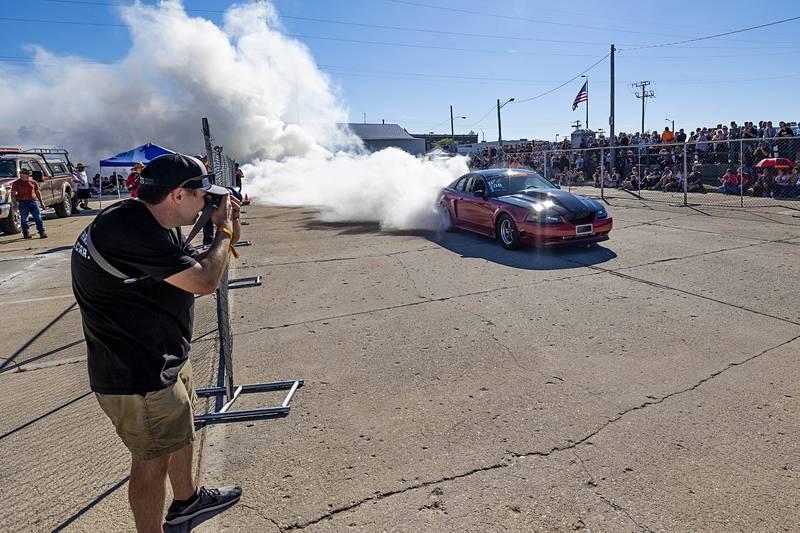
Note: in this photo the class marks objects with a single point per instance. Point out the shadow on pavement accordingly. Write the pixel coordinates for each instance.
(471, 245)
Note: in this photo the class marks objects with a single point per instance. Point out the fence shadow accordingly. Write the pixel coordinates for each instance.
(10, 359)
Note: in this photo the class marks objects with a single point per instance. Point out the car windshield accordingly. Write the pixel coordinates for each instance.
(505, 184)
(8, 168)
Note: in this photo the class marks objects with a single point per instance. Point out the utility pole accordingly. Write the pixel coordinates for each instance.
(451, 122)
(611, 140)
(644, 93)
(499, 129)
(576, 124)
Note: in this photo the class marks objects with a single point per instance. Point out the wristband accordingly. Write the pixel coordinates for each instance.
(226, 231)
(229, 233)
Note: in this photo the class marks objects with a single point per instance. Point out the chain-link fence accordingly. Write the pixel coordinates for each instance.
(741, 172)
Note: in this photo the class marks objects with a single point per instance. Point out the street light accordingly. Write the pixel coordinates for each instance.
(499, 128)
(673, 123)
(452, 132)
(483, 135)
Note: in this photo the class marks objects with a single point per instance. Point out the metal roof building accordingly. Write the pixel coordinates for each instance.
(379, 136)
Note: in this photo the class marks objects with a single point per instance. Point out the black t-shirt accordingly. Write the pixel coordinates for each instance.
(137, 334)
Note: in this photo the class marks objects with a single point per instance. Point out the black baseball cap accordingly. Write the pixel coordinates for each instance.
(179, 171)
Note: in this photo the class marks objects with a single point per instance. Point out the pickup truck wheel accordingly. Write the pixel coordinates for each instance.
(12, 224)
(64, 209)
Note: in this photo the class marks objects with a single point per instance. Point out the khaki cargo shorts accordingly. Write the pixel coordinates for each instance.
(157, 423)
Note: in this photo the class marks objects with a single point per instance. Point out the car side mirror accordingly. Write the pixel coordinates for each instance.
(37, 175)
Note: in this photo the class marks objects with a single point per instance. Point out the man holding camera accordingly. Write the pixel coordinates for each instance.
(138, 330)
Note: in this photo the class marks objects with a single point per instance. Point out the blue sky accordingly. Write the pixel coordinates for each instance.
(506, 51)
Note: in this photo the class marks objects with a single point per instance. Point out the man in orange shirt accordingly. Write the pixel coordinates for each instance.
(26, 191)
(667, 137)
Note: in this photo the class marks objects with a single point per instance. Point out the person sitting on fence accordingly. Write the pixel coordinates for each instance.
(694, 181)
(138, 334)
(729, 183)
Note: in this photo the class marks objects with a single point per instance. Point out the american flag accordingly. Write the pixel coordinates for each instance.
(583, 96)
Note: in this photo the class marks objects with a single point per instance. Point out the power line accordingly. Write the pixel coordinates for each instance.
(538, 21)
(578, 75)
(723, 34)
(435, 47)
(391, 27)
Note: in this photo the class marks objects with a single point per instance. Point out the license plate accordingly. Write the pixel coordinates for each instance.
(583, 229)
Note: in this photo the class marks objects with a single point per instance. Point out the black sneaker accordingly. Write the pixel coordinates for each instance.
(27, 237)
(207, 500)
(43, 235)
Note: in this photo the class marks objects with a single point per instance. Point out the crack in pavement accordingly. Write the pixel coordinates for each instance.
(262, 515)
(411, 304)
(513, 457)
(410, 279)
(603, 498)
(348, 258)
(497, 341)
(617, 507)
(690, 256)
(702, 296)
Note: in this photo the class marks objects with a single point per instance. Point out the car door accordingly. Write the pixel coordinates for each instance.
(456, 196)
(476, 209)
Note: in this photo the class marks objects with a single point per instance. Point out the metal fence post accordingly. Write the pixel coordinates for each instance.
(741, 173)
(685, 177)
(545, 164)
(602, 174)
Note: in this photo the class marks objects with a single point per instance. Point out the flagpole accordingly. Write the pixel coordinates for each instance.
(587, 100)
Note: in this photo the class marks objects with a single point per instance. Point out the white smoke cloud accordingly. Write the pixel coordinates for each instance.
(266, 100)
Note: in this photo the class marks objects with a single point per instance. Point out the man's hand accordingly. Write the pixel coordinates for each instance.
(223, 215)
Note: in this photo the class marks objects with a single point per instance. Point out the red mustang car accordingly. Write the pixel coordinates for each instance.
(519, 207)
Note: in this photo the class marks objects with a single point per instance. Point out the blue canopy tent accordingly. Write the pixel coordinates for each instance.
(141, 154)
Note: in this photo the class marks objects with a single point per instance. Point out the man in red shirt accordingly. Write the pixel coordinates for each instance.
(132, 183)
(26, 191)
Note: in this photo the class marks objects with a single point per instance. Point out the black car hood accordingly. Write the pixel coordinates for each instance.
(554, 200)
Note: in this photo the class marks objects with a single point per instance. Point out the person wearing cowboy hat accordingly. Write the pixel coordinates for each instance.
(80, 182)
(134, 179)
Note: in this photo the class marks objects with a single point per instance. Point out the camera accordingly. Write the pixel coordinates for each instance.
(216, 199)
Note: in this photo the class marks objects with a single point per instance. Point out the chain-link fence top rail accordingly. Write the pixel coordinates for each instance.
(741, 172)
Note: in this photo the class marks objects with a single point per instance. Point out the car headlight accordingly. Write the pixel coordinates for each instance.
(601, 213)
(543, 218)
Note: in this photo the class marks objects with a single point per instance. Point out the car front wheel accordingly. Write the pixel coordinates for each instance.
(507, 232)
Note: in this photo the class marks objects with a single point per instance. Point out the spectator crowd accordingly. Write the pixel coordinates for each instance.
(724, 158)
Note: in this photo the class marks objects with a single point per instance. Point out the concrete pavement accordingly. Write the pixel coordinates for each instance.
(647, 383)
